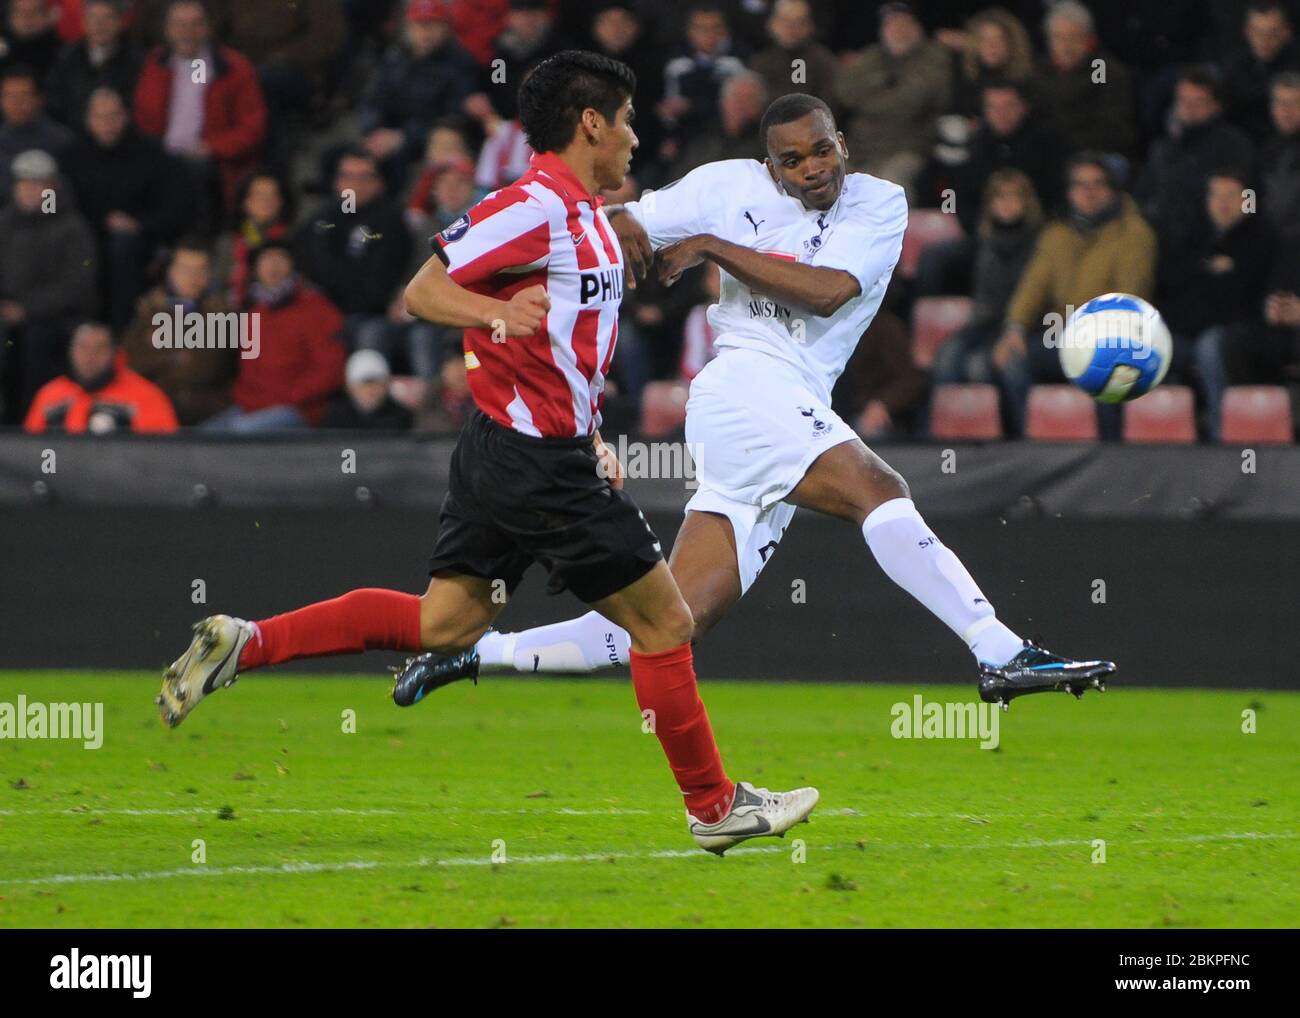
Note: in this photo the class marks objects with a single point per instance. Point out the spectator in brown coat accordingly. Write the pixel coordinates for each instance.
(197, 381)
(796, 61)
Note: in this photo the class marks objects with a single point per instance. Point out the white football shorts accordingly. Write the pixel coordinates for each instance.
(754, 427)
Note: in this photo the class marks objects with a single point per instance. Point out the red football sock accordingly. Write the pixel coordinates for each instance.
(665, 684)
(369, 619)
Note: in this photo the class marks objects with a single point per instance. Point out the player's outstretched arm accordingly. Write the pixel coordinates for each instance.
(819, 289)
(434, 296)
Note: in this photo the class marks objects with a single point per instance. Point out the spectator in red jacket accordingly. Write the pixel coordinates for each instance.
(299, 361)
(100, 394)
(204, 102)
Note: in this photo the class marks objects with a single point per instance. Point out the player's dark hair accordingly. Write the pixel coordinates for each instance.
(790, 107)
(555, 92)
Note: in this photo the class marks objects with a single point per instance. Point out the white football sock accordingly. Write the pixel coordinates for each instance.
(921, 564)
(583, 644)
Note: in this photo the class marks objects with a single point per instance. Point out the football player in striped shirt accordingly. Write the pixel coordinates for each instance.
(534, 275)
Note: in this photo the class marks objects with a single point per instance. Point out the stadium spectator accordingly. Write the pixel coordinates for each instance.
(892, 95)
(693, 79)
(203, 102)
(444, 193)
(357, 249)
(264, 214)
(618, 32)
(30, 38)
(48, 270)
(1270, 50)
(882, 390)
(300, 363)
(446, 150)
(1005, 240)
(1257, 355)
(735, 134)
(99, 394)
(365, 403)
(795, 61)
(1084, 93)
(292, 45)
(530, 36)
(424, 77)
(196, 380)
(1279, 174)
(1171, 189)
(994, 49)
(133, 195)
(1102, 245)
(26, 125)
(505, 154)
(697, 334)
(103, 58)
(1009, 137)
(477, 24)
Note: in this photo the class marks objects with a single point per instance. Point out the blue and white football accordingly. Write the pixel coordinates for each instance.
(1115, 348)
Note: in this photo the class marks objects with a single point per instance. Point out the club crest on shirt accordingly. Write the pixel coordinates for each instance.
(455, 231)
(813, 244)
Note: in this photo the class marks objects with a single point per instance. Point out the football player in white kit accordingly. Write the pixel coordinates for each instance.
(805, 251)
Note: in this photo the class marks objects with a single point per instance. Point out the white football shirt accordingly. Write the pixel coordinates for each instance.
(737, 200)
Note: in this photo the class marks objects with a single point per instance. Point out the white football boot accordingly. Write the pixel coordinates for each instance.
(211, 662)
(755, 813)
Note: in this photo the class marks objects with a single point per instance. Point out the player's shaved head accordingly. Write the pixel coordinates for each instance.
(806, 153)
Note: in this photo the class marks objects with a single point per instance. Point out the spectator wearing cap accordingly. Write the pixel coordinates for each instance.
(1101, 245)
(357, 248)
(196, 380)
(795, 61)
(30, 38)
(423, 78)
(99, 395)
(734, 135)
(26, 126)
(132, 193)
(1270, 49)
(300, 361)
(1171, 189)
(1084, 93)
(365, 403)
(102, 58)
(892, 94)
(48, 272)
(1280, 161)
(203, 102)
(694, 78)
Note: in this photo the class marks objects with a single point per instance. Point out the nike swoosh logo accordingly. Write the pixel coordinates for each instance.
(757, 825)
(208, 687)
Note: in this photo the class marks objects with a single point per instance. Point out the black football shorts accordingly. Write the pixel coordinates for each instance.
(514, 500)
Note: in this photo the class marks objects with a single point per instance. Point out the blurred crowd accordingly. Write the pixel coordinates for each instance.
(289, 159)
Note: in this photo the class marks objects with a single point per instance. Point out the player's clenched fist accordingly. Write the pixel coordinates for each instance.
(526, 310)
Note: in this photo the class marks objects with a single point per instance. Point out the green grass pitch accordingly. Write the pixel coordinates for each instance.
(397, 824)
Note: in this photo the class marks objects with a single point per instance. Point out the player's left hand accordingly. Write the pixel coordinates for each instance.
(676, 258)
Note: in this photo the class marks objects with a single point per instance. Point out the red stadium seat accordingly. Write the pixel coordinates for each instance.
(1162, 415)
(663, 408)
(965, 412)
(925, 228)
(934, 319)
(1061, 413)
(1257, 414)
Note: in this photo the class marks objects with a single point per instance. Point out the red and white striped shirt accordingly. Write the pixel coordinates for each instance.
(544, 228)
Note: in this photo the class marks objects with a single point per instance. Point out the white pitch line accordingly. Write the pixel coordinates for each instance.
(424, 862)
